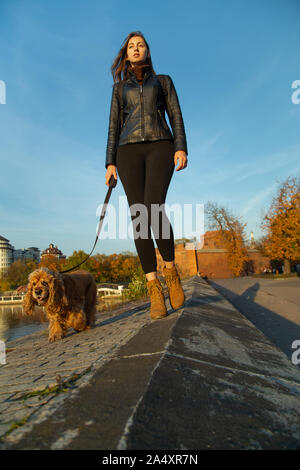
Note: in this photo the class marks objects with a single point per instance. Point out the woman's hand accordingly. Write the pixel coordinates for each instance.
(111, 170)
(180, 156)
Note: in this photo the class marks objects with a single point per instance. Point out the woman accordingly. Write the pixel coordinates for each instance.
(144, 151)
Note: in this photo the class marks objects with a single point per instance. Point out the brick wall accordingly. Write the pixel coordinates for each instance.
(211, 260)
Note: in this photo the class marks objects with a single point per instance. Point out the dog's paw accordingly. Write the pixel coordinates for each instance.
(54, 337)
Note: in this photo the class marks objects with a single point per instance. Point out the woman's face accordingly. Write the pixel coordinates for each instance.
(136, 50)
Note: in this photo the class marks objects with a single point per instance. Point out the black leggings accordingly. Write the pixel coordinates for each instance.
(145, 170)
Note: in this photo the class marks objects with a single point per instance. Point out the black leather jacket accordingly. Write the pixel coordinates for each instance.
(144, 109)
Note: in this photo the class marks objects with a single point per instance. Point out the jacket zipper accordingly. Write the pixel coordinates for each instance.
(160, 116)
(142, 113)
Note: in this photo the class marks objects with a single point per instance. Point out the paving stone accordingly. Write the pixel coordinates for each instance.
(34, 364)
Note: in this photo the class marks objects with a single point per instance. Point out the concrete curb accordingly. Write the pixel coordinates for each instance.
(219, 385)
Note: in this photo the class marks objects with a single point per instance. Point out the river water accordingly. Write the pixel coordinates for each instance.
(14, 323)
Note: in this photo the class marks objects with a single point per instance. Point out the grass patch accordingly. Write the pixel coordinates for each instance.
(17, 424)
(61, 386)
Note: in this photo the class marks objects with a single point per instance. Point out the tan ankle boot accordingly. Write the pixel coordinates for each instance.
(158, 307)
(176, 293)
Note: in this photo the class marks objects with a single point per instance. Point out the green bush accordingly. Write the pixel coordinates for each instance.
(137, 286)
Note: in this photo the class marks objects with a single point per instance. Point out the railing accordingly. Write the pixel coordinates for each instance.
(105, 290)
(11, 299)
(110, 290)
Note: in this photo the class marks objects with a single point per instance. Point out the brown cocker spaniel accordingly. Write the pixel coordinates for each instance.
(69, 299)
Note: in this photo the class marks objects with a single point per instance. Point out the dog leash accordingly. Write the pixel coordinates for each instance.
(112, 184)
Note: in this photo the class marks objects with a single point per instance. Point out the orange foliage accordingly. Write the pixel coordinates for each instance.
(107, 268)
(51, 262)
(117, 267)
(237, 252)
(121, 266)
(282, 224)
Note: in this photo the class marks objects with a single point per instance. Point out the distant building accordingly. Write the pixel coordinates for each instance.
(212, 259)
(6, 255)
(28, 253)
(53, 251)
(252, 242)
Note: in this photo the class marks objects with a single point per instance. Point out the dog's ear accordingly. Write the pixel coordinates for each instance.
(56, 291)
(29, 302)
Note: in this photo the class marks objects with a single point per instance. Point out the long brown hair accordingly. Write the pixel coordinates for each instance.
(120, 66)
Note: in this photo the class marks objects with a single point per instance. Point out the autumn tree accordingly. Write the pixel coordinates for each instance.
(122, 267)
(18, 272)
(117, 267)
(230, 230)
(131, 264)
(4, 285)
(76, 258)
(51, 262)
(113, 268)
(282, 224)
(101, 268)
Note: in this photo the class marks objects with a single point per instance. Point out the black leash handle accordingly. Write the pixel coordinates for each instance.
(112, 184)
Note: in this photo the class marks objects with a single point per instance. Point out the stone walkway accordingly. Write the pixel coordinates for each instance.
(33, 364)
(38, 372)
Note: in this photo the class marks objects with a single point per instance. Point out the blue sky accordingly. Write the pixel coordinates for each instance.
(233, 64)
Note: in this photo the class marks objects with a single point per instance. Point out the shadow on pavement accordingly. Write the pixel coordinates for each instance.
(276, 328)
